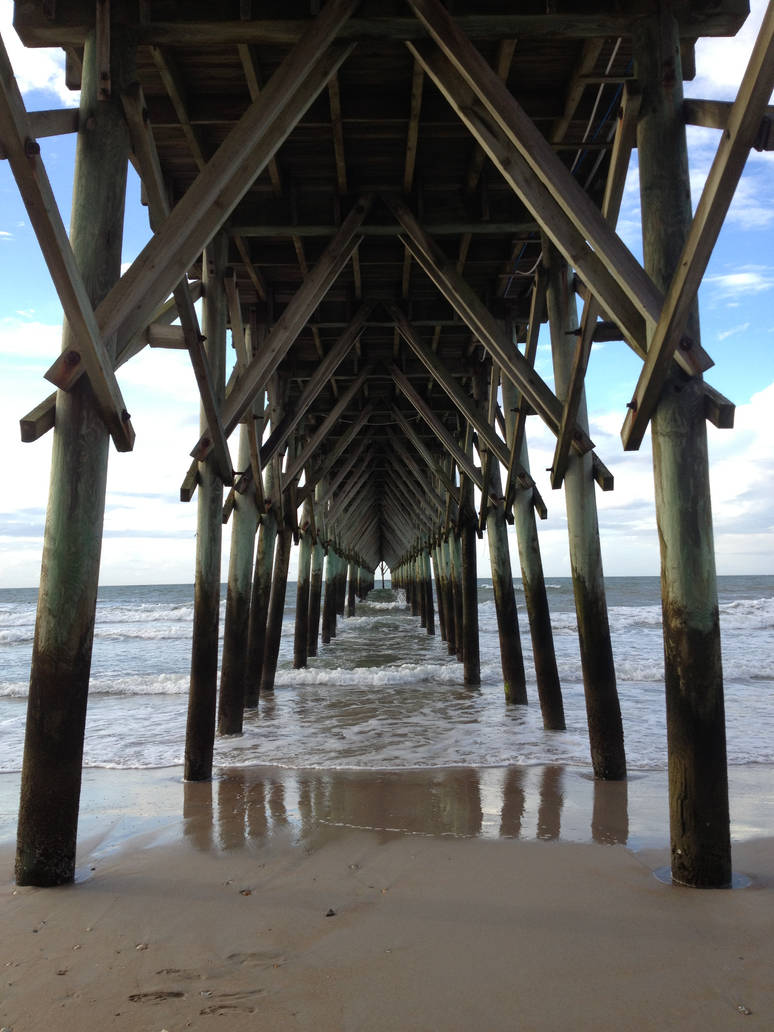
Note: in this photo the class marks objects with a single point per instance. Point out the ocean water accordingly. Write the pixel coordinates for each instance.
(385, 695)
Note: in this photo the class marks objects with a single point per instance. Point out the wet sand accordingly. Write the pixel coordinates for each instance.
(456, 899)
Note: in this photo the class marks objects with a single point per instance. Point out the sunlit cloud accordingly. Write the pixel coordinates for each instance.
(35, 68)
(748, 279)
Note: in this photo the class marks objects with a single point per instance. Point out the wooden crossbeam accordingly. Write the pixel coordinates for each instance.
(38, 197)
(536, 312)
(713, 114)
(577, 229)
(352, 457)
(302, 459)
(429, 459)
(336, 452)
(583, 21)
(473, 311)
(437, 427)
(292, 321)
(219, 187)
(317, 381)
(727, 167)
(57, 122)
(158, 207)
(625, 140)
(541, 160)
(446, 380)
(400, 449)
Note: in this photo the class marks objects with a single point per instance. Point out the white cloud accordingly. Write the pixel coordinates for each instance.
(733, 331)
(35, 69)
(720, 62)
(23, 338)
(748, 279)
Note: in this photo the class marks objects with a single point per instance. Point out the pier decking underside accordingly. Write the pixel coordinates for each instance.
(385, 202)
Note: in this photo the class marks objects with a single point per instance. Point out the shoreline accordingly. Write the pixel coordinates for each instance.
(389, 902)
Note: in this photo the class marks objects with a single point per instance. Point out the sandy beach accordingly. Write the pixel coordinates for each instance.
(454, 900)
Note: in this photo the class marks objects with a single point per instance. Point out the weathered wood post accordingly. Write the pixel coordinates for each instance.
(602, 707)
(301, 635)
(202, 697)
(455, 552)
(511, 657)
(533, 582)
(428, 582)
(440, 589)
(449, 606)
(351, 587)
(64, 628)
(235, 632)
(696, 737)
(279, 583)
(315, 581)
(264, 562)
(341, 583)
(470, 649)
(329, 602)
(419, 586)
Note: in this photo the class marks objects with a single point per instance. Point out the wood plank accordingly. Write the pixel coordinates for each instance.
(585, 21)
(727, 167)
(322, 471)
(337, 131)
(317, 381)
(228, 175)
(713, 114)
(472, 310)
(442, 375)
(38, 197)
(541, 160)
(412, 136)
(429, 459)
(56, 122)
(158, 207)
(623, 145)
(292, 320)
(296, 465)
(440, 431)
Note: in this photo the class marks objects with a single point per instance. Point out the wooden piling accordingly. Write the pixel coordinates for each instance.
(329, 603)
(279, 583)
(696, 739)
(264, 563)
(438, 572)
(315, 586)
(351, 588)
(428, 586)
(341, 584)
(449, 596)
(602, 706)
(511, 657)
(202, 697)
(533, 582)
(244, 523)
(64, 628)
(305, 546)
(469, 579)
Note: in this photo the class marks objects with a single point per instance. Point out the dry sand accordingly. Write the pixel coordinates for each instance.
(454, 900)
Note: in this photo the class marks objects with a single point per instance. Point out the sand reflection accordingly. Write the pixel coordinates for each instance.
(245, 805)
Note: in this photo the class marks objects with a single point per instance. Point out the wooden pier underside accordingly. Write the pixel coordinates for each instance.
(403, 192)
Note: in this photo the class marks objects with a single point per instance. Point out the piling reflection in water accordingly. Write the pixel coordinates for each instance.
(245, 805)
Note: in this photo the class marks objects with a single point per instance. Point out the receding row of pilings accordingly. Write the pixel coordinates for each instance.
(61, 658)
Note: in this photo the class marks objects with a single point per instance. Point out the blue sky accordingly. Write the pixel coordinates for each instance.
(150, 535)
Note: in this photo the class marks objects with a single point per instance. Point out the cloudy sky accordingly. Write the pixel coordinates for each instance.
(150, 535)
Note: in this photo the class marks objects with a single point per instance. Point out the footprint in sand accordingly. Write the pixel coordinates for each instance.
(156, 996)
(237, 1001)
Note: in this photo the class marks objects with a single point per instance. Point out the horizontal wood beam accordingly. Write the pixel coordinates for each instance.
(42, 124)
(724, 175)
(714, 114)
(448, 228)
(75, 20)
